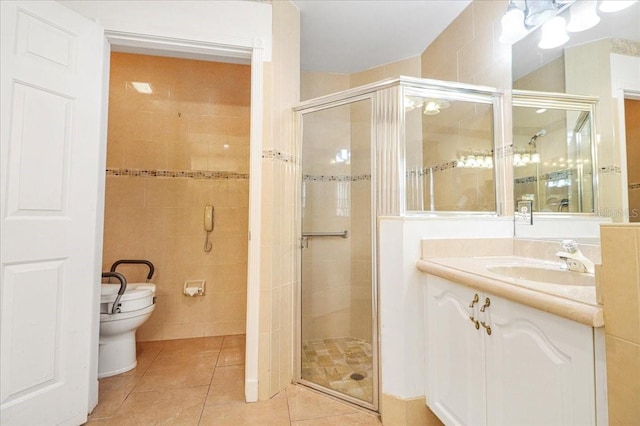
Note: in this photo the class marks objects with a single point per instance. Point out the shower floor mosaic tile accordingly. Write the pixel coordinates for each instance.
(344, 364)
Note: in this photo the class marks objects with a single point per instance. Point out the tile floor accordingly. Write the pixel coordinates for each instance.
(201, 382)
(333, 362)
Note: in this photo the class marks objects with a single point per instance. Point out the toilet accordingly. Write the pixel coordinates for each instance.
(117, 343)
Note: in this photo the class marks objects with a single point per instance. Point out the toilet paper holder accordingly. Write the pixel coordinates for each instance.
(194, 287)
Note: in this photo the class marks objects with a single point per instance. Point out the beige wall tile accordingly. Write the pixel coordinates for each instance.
(621, 281)
(623, 381)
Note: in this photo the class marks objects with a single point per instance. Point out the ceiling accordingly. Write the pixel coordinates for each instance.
(347, 36)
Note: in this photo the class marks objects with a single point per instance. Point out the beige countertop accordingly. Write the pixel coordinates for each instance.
(575, 302)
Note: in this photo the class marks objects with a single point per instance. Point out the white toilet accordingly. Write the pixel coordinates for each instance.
(117, 343)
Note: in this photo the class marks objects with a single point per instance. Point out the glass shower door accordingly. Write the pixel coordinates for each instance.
(337, 338)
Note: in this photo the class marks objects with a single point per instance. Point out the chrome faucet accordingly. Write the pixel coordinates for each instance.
(573, 257)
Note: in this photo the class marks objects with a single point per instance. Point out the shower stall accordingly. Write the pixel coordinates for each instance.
(363, 155)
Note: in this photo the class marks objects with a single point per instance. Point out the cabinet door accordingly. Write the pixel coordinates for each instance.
(539, 367)
(455, 355)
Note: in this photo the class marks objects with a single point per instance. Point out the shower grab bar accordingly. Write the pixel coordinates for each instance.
(135, 262)
(123, 288)
(343, 234)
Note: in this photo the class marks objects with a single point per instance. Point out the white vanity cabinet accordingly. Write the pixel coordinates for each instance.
(496, 362)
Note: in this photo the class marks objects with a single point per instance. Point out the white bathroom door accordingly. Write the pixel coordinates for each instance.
(51, 105)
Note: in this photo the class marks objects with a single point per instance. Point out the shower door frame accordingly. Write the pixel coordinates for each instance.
(320, 104)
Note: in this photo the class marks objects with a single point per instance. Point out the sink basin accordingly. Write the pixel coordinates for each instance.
(543, 275)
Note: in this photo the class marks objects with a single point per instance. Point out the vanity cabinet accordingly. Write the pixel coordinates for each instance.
(496, 362)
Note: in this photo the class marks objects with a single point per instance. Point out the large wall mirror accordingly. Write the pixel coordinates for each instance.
(590, 64)
(553, 152)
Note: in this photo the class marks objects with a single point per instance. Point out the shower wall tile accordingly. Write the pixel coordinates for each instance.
(197, 118)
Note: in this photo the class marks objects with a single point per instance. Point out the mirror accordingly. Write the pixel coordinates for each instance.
(582, 66)
(553, 161)
(449, 151)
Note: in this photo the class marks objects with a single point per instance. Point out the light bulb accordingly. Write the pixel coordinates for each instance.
(431, 108)
(535, 157)
(615, 5)
(512, 25)
(554, 33)
(583, 16)
(516, 158)
(526, 158)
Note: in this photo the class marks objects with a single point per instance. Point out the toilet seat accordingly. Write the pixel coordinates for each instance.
(136, 296)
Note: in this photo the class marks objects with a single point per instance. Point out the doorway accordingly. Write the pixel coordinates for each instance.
(337, 312)
(177, 142)
(632, 132)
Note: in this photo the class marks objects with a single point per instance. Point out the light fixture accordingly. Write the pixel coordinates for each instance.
(554, 33)
(518, 21)
(608, 6)
(142, 87)
(512, 22)
(535, 157)
(583, 16)
(538, 12)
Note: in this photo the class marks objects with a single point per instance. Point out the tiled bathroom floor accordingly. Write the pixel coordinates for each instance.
(201, 382)
(344, 364)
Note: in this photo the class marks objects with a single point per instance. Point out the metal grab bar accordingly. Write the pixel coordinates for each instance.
(343, 234)
(134, 262)
(123, 288)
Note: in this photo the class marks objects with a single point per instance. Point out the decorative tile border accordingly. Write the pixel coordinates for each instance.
(191, 174)
(625, 47)
(611, 169)
(278, 155)
(337, 178)
(634, 186)
(528, 179)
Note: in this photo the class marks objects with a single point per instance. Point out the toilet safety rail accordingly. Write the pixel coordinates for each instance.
(134, 262)
(123, 288)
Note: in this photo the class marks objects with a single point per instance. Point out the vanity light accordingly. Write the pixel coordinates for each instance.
(518, 21)
(583, 16)
(526, 158)
(512, 22)
(615, 5)
(554, 33)
(535, 157)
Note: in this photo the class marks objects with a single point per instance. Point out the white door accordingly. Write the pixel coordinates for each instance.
(540, 368)
(52, 171)
(455, 353)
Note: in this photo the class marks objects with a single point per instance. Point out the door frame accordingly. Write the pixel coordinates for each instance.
(622, 132)
(243, 49)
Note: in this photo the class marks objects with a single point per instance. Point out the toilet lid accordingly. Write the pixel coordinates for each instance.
(134, 291)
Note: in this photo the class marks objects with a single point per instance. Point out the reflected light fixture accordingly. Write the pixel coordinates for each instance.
(433, 106)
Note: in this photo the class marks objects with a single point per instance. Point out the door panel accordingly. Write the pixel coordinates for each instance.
(52, 163)
(337, 336)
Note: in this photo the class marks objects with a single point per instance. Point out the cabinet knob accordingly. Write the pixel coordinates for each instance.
(487, 303)
(475, 300)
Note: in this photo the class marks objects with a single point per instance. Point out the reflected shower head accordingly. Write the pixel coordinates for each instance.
(532, 141)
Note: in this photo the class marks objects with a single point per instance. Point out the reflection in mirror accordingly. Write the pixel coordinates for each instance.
(553, 158)
(449, 152)
(565, 68)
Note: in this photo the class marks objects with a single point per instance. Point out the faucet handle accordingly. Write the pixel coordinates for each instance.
(570, 246)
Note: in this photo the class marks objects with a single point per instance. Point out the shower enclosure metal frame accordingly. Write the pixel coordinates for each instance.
(307, 108)
(388, 168)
